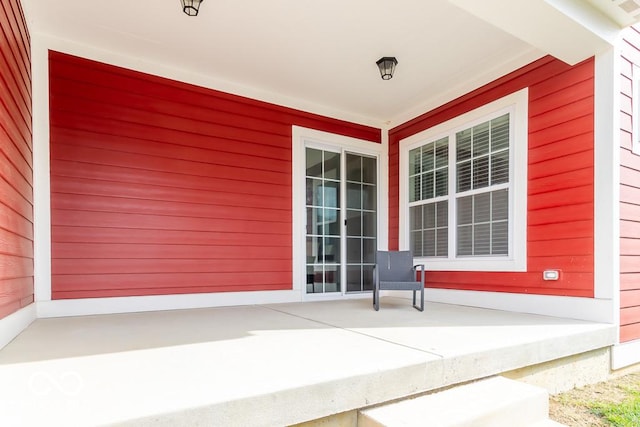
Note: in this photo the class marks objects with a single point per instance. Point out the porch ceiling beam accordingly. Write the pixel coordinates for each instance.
(570, 30)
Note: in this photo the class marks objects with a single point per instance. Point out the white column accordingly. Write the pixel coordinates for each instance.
(41, 177)
(607, 180)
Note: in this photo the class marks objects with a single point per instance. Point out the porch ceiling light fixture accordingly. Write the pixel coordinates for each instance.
(387, 66)
(190, 7)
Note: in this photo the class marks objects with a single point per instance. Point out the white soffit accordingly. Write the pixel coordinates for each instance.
(570, 30)
(319, 56)
(622, 12)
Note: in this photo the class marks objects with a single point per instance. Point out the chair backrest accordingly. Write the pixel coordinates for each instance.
(395, 266)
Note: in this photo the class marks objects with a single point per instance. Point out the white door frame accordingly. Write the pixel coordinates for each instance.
(301, 137)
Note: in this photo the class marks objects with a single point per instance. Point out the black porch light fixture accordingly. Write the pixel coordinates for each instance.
(190, 7)
(387, 65)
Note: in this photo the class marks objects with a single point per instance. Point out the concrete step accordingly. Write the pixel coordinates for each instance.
(493, 402)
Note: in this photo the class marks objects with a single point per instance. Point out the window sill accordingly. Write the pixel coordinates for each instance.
(471, 264)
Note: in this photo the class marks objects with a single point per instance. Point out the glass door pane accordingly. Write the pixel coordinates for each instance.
(361, 221)
(323, 235)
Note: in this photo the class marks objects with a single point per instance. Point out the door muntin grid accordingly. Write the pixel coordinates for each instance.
(323, 233)
(361, 221)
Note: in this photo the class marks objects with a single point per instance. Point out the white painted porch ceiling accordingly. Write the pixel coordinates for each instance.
(316, 55)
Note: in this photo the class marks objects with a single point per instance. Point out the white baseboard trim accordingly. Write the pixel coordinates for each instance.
(625, 354)
(89, 306)
(12, 325)
(591, 309)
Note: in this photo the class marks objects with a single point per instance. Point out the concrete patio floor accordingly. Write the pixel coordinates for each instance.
(267, 365)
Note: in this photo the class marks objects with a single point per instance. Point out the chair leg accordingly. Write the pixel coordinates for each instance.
(376, 289)
(376, 297)
(421, 308)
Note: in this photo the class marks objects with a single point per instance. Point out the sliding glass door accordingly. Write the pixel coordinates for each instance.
(341, 221)
(361, 221)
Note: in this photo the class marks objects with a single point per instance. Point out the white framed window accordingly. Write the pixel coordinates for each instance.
(635, 110)
(463, 189)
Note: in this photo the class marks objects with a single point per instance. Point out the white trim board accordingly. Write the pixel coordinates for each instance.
(625, 354)
(590, 309)
(41, 170)
(12, 325)
(90, 306)
(607, 177)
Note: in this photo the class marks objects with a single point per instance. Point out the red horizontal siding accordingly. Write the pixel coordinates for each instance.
(15, 294)
(106, 235)
(160, 187)
(16, 190)
(185, 97)
(15, 245)
(629, 298)
(15, 223)
(629, 332)
(560, 220)
(161, 153)
(555, 231)
(160, 182)
(256, 171)
(16, 267)
(166, 222)
(629, 194)
(629, 212)
(102, 251)
(630, 247)
(14, 164)
(560, 198)
(629, 160)
(569, 248)
(561, 181)
(164, 144)
(14, 60)
(561, 214)
(630, 282)
(220, 207)
(226, 264)
(629, 264)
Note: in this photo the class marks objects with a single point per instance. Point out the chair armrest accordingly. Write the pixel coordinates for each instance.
(415, 267)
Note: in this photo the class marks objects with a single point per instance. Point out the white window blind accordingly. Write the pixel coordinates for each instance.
(482, 162)
(429, 170)
(483, 224)
(429, 229)
(480, 166)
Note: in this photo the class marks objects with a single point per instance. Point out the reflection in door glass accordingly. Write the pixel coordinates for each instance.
(323, 221)
(361, 221)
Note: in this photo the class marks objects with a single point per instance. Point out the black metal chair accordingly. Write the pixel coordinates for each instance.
(394, 271)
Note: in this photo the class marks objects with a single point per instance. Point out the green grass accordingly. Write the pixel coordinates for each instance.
(624, 414)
